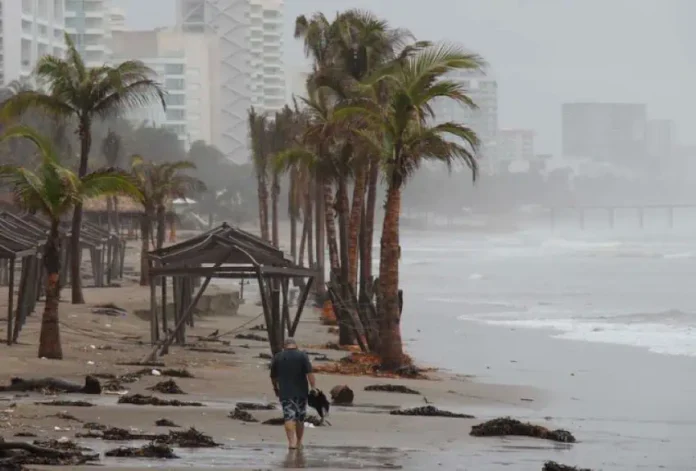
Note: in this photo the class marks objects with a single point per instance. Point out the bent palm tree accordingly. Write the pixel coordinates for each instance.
(83, 93)
(53, 191)
(158, 184)
(402, 134)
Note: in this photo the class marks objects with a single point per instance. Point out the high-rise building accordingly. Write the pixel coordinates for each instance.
(117, 20)
(187, 65)
(88, 24)
(483, 90)
(515, 145)
(611, 133)
(661, 142)
(29, 29)
(251, 66)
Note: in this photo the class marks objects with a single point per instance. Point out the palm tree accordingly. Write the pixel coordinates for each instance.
(85, 94)
(53, 191)
(158, 184)
(258, 135)
(402, 133)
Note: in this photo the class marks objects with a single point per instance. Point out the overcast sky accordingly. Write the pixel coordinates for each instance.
(542, 52)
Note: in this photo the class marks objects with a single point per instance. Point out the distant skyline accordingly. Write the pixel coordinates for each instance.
(542, 52)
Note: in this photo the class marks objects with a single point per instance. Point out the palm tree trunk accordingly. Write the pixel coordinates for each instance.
(49, 339)
(371, 205)
(117, 222)
(263, 207)
(161, 226)
(75, 251)
(109, 214)
(293, 237)
(306, 229)
(145, 227)
(320, 239)
(391, 349)
(275, 193)
(310, 222)
(354, 224)
(343, 208)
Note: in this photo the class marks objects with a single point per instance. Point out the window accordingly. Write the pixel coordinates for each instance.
(176, 115)
(28, 6)
(174, 69)
(26, 26)
(175, 100)
(43, 31)
(174, 84)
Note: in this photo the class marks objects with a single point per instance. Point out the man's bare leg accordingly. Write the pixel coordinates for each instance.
(299, 433)
(291, 432)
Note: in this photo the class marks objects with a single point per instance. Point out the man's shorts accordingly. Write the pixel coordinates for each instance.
(294, 409)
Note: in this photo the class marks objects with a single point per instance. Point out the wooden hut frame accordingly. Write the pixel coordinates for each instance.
(229, 253)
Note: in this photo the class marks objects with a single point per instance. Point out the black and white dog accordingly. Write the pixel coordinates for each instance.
(318, 401)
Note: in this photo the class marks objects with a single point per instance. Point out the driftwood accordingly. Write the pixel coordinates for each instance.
(553, 466)
(506, 426)
(430, 411)
(392, 388)
(91, 386)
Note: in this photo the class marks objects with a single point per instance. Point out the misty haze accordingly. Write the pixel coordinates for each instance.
(408, 234)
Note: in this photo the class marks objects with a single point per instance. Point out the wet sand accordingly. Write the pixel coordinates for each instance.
(361, 436)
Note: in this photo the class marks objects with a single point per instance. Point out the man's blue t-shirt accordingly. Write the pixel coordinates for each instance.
(290, 368)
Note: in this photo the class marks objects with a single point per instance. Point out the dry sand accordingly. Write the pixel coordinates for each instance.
(95, 343)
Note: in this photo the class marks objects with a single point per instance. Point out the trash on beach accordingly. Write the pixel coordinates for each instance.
(167, 387)
(151, 450)
(155, 373)
(165, 423)
(392, 388)
(242, 415)
(62, 403)
(141, 400)
(505, 426)
(553, 466)
(342, 395)
(255, 406)
(429, 411)
(258, 338)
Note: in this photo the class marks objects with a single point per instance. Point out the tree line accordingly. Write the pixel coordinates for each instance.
(368, 117)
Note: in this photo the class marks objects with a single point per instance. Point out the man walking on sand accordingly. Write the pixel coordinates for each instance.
(291, 374)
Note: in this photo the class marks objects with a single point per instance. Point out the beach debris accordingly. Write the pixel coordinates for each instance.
(318, 401)
(177, 373)
(16, 455)
(255, 406)
(430, 411)
(190, 438)
(142, 400)
(553, 466)
(240, 414)
(109, 309)
(25, 435)
(94, 426)
(156, 364)
(53, 385)
(61, 444)
(392, 388)
(310, 419)
(260, 327)
(211, 350)
(63, 403)
(331, 346)
(332, 330)
(265, 356)
(362, 364)
(258, 338)
(167, 387)
(151, 450)
(66, 416)
(165, 423)
(342, 395)
(505, 426)
(274, 421)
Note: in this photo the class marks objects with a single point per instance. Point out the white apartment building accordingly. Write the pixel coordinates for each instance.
(29, 29)
(251, 63)
(88, 24)
(483, 90)
(117, 19)
(187, 65)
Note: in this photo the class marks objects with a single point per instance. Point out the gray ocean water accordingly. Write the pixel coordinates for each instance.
(603, 319)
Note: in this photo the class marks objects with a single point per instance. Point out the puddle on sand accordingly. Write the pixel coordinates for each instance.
(267, 456)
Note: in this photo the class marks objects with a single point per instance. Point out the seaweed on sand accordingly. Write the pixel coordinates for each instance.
(254, 406)
(151, 450)
(121, 434)
(507, 426)
(16, 455)
(190, 438)
(430, 411)
(392, 388)
(64, 445)
(311, 419)
(553, 466)
(141, 400)
(167, 387)
(244, 416)
(165, 423)
(255, 337)
(63, 403)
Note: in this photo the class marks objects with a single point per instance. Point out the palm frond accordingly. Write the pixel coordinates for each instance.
(108, 181)
(18, 104)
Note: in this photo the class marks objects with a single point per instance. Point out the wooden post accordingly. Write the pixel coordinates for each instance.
(266, 305)
(153, 312)
(286, 304)
(300, 305)
(277, 344)
(163, 288)
(10, 299)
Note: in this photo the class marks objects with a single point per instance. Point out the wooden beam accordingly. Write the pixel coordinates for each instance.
(285, 285)
(300, 305)
(265, 304)
(10, 301)
(153, 311)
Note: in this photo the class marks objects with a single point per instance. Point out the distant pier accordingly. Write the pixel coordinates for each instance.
(611, 210)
